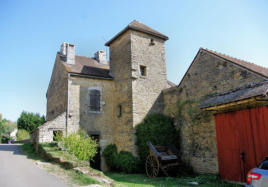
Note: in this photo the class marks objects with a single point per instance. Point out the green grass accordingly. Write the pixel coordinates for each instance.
(126, 180)
(138, 180)
(28, 150)
(82, 179)
(53, 149)
(70, 174)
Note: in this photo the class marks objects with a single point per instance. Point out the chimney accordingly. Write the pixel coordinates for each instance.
(100, 56)
(67, 51)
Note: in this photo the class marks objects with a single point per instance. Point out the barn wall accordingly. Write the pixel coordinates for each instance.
(207, 76)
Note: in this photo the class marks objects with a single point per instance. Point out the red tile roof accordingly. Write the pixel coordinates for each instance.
(248, 65)
(137, 26)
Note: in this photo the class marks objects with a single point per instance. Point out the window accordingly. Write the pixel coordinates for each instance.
(57, 134)
(94, 100)
(264, 165)
(143, 70)
(119, 114)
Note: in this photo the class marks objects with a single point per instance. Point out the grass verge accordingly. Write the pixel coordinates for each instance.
(138, 180)
(70, 176)
(122, 179)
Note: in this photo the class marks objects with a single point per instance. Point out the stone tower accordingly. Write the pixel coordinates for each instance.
(137, 62)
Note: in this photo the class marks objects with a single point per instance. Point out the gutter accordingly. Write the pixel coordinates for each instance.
(89, 76)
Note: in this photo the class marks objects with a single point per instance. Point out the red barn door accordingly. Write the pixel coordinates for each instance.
(242, 141)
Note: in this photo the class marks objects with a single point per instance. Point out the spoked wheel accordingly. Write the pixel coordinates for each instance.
(152, 166)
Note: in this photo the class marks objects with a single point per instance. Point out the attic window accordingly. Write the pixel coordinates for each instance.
(143, 71)
(152, 41)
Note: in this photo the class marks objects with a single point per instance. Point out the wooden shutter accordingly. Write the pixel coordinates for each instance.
(94, 96)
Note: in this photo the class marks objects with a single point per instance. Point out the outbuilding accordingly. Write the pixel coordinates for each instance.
(241, 118)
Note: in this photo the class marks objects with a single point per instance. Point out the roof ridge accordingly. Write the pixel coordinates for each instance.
(138, 26)
(85, 57)
(226, 55)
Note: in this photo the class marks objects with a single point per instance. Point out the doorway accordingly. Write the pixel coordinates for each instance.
(242, 139)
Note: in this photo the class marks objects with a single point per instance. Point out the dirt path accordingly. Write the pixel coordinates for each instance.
(18, 171)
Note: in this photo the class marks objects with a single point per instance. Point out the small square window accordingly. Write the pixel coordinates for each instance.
(143, 70)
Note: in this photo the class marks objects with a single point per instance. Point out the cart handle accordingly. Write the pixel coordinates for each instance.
(151, 147)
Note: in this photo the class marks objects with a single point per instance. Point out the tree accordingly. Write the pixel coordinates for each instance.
(6, 127)
(30, 121)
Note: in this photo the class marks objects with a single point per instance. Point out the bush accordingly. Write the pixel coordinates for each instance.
(6, 127)
(126, 162)
(22, 135)
(123, 162)
(158, 129)
(110, 154)
(30, 121)
(83, 148)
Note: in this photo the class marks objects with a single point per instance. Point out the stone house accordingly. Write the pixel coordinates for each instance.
(107, 98)
(209, 74)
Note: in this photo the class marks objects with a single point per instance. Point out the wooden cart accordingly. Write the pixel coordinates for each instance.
(162, 158)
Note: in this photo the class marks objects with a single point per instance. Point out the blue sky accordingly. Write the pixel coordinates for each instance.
(31, 33)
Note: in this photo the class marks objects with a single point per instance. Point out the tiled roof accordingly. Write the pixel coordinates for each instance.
(249, 91)
(253, 67)
(137, 26)
(89, 67)
(171, 84)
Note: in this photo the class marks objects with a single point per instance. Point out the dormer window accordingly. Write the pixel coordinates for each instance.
(143, 71)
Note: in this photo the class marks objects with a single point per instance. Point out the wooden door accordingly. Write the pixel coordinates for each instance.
(242, 138)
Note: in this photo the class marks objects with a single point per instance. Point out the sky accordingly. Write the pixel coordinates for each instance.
(31, 33)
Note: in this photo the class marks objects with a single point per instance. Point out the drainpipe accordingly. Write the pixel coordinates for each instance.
(67, 108)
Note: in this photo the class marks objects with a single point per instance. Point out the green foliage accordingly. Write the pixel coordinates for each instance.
(6, 127)
(158, 129)
(30, 121)
(76, 177)
(84, 148)
(110, 154)
(123, 162)
(22, 135)
(126, 162)
(180, 105)
(58, 137)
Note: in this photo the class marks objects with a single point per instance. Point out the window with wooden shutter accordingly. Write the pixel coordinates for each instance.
(95, 99)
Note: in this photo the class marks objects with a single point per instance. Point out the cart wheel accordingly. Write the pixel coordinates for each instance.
(152, 166)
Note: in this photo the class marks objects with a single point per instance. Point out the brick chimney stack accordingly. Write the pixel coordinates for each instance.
(68, 52)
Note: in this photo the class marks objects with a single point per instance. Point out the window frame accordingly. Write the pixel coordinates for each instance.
(101, 103)
(144, 69)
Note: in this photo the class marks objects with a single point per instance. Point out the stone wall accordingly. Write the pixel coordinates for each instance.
(207, 76)
(120, 65)
(146, 89)
(44, 133)
(57, 91)
(134, 93)
(94, 123)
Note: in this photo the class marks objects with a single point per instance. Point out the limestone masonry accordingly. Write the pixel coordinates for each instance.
(108, 98)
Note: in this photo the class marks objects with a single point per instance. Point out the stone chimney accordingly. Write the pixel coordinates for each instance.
(100, 56)
(67, 51)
